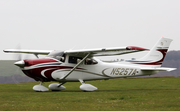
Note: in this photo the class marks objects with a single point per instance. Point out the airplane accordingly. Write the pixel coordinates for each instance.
(83, 65)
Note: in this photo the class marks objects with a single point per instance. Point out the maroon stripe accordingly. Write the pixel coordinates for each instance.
(163, 51)
(36, 72)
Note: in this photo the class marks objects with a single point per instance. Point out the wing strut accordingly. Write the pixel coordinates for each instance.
(64, 77)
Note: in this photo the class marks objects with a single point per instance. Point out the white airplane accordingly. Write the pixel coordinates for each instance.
(81, 65)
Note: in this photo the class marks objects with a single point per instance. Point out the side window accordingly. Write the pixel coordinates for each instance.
(89, 61)
(74, 60)
(62, 59)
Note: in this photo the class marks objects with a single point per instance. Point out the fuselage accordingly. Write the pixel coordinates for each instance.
(51, 69)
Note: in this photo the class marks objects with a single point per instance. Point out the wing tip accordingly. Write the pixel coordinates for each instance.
(136, 48)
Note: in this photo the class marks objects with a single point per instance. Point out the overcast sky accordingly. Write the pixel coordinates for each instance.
(77, 24)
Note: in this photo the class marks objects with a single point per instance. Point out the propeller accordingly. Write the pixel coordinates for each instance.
(19, 61)
(17, 57)
(20, 58)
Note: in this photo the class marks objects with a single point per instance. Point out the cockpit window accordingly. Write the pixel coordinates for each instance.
(57, 55)
(90, 61)
(74, 60)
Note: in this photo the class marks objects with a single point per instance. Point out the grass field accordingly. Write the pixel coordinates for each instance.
(140, 94)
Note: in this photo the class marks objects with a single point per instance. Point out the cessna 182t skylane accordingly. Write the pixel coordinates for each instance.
(81, 65)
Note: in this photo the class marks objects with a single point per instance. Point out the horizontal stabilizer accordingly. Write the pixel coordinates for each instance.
(158, 69)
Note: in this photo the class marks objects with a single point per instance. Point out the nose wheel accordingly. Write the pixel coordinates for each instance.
(40, 88)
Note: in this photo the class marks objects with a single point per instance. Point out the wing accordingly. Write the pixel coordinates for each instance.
(105, 51)
(35, 52)
(84, 52)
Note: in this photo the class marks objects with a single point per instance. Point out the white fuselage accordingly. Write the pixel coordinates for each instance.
(101, 70)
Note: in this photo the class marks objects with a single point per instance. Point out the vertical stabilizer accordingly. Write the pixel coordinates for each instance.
(157, 54)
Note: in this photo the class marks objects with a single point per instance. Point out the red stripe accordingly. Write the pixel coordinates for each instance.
(38, 61)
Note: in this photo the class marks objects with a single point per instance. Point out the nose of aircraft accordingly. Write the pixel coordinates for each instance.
(20, 64)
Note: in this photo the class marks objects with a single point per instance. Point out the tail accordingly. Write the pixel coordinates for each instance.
(156, 55)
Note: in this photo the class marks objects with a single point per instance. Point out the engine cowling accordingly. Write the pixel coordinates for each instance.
(88, 87)
(56, 87)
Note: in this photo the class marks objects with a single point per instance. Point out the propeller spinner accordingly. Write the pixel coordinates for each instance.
(20, 64)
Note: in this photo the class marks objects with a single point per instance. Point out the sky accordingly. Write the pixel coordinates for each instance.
(86, 24)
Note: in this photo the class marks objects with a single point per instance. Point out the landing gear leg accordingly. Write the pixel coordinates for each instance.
(61, 84)
(41, 83)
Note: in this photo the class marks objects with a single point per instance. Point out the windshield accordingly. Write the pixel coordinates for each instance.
(59, 55)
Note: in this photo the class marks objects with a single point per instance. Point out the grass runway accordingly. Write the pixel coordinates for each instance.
(134, 94)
